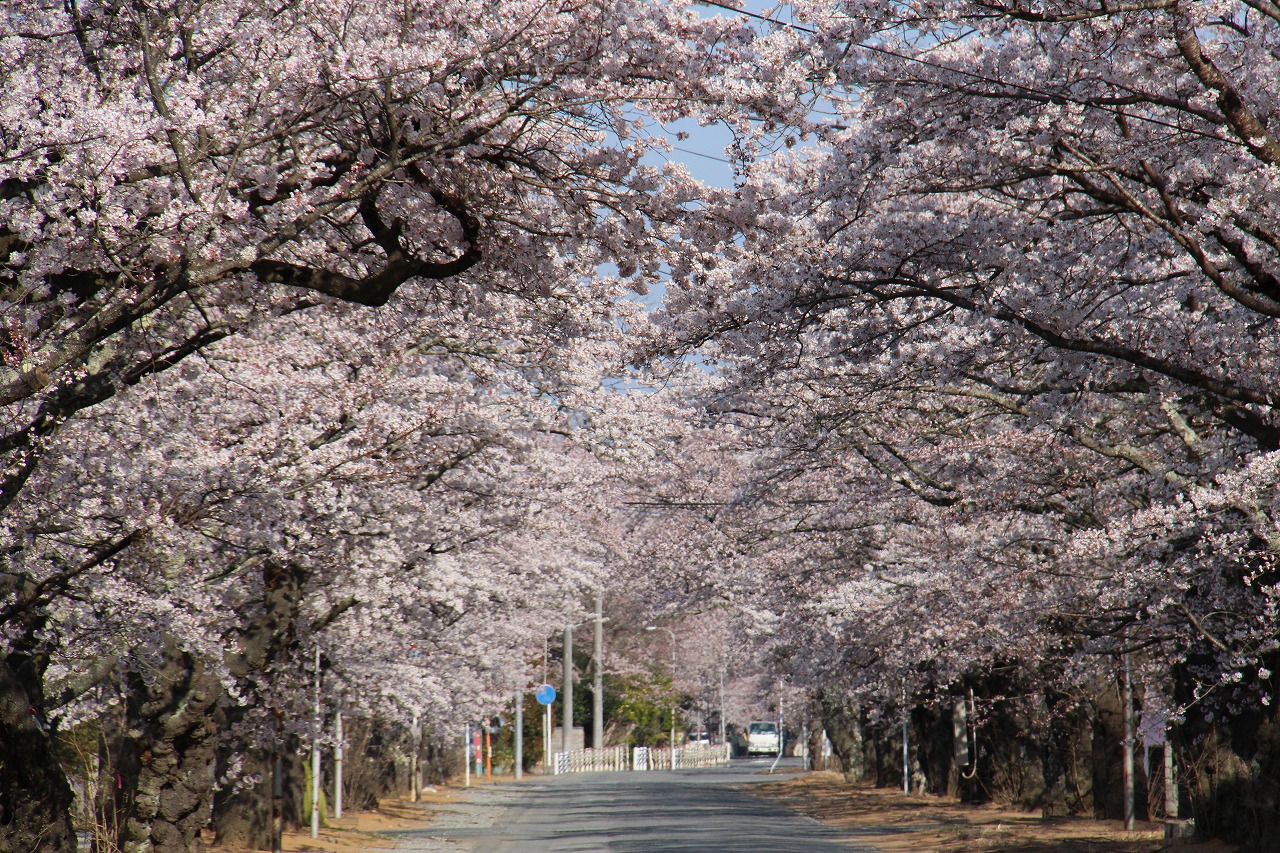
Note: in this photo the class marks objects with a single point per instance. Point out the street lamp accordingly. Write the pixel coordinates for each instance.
(673, 687)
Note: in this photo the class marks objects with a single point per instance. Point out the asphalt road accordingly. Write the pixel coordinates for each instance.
(693, 811)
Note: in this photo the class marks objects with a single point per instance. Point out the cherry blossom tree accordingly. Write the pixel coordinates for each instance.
(1026, 276)
(176, 173)
(333, 484)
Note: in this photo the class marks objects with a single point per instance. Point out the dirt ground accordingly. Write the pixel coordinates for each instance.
(912, 823)
(357, 832)
(891, 821)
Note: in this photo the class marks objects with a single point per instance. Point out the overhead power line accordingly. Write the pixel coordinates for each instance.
(1042, 94)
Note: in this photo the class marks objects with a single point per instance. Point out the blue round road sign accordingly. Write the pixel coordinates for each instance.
(546, 694)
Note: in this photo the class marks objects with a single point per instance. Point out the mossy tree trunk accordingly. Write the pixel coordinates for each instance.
(35, 797)
(164, 791)
(842, 720)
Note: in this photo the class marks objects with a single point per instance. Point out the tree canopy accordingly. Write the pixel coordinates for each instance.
(321, 332)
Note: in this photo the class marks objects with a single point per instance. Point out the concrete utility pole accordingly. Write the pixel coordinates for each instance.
(315, 755)
(519, 734)
(597, 685)
(338, 755)
(782, 743)
(415, 729)
(566, 734)
(722, 702)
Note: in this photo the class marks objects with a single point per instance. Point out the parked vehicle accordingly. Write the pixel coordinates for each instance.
(762, 737)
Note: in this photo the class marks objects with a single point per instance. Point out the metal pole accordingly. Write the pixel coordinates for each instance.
(781, 744)
(546, 709)
(722, 702)
(567, 710)
(519, 734)
(415, 784)
(315, 754)
(906, 755)
(673, 729)
(597, 686)
(1126, 696)
(782, 736)
(338, 755)
(546, 738)
(466, 756)
(673, 697)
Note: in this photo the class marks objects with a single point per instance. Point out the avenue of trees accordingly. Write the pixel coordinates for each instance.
(323, 334)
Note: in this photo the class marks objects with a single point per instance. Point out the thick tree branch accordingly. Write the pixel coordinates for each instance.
(1248, 128)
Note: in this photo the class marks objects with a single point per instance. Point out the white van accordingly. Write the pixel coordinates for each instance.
(762, 736)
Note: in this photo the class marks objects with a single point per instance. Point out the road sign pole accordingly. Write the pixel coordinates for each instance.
(546, 694)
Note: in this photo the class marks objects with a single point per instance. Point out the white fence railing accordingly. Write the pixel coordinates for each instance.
(592, 760)
(641, 758)
(703, 755)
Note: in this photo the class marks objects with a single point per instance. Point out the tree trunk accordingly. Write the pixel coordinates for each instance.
(844, 729)
(1105, 764)
(1108, 765)
(817, 761)
(165, 788)
(35, 797)
(242, 816)
(1053, 756)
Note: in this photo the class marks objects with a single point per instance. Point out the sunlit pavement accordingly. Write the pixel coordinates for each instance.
(689, 810)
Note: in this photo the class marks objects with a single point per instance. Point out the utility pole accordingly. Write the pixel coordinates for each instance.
(566, 734)
(1126, 696)
(597, 685)
(519, 734)
(338, 755)
(906, 745)
(415, 728)
(315, 754)
(722, 701)
(782, 742)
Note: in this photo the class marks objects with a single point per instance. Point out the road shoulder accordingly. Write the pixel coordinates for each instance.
(896, 823)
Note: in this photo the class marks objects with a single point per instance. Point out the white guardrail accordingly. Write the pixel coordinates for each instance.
(614, 758)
